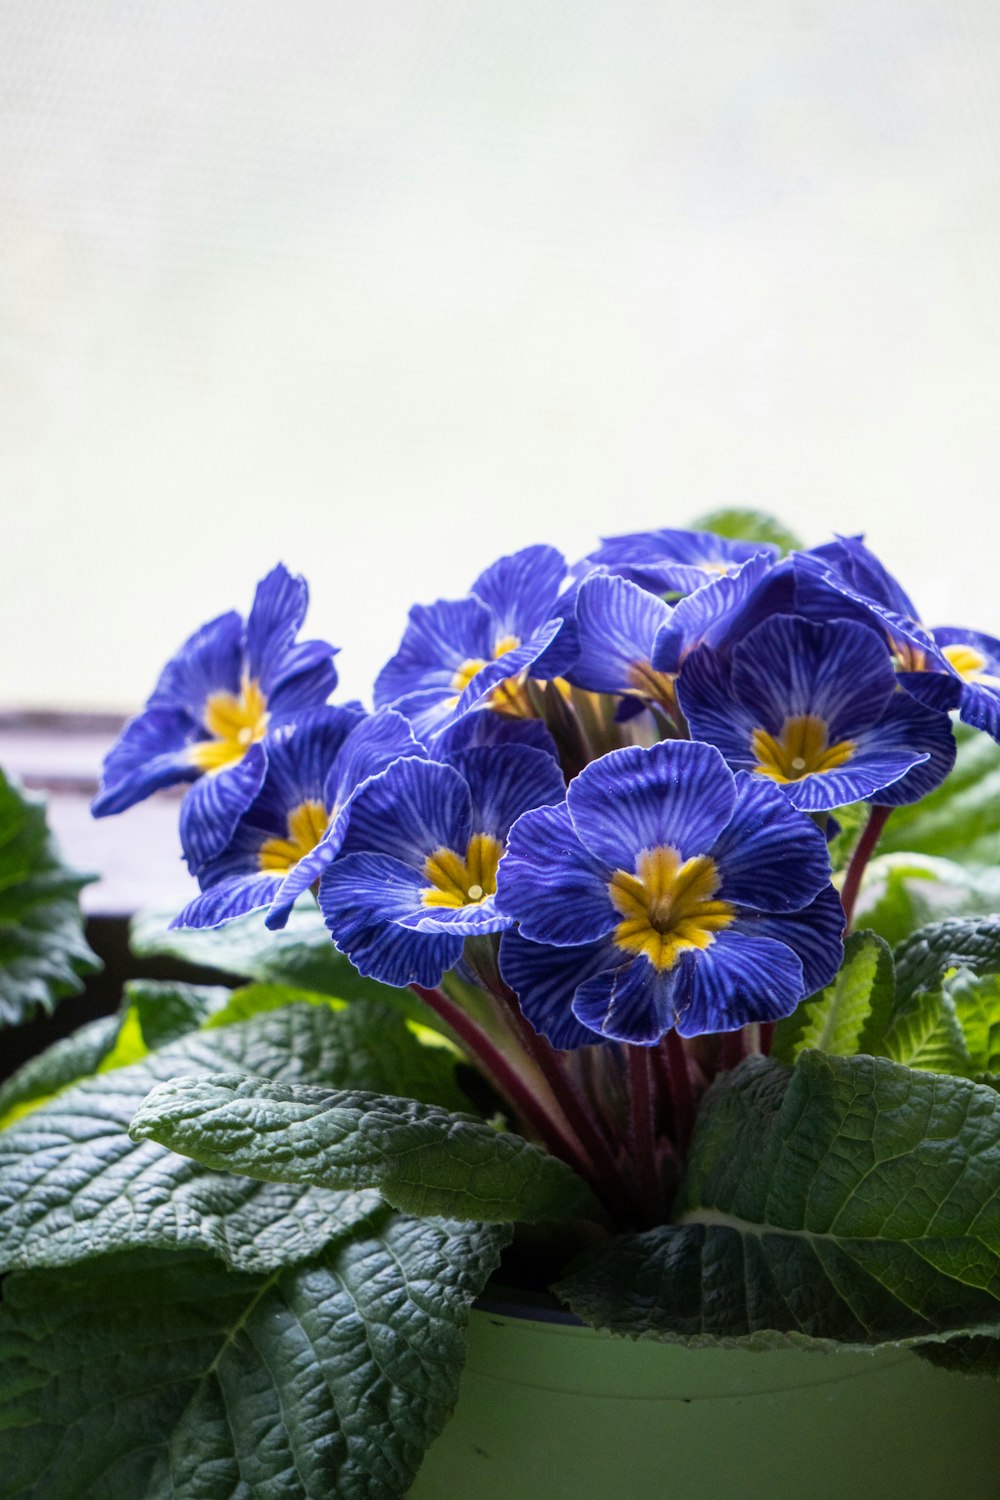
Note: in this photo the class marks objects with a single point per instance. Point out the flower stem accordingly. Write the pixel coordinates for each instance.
(681, 1091)
(507, 1080)
(863, 850)
(641, 1085)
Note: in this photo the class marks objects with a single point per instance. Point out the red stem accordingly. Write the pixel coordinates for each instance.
(863, 850)
(508, 1081)
(641, 1084)
(681, 1091)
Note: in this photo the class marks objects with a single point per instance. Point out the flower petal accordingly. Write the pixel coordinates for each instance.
(741, 977)
(707, 616)
(210, 661)
(714, 713)
(360, 898)
(462, 921)
(439, 639)
(372, 745)
(506, 782)
(409, 811)
(215, 804)
(635, 1002)
(232, 898)
(299, 757)
(150, 752)
(677, 793)
(520, 590)
(550, 883)
(770, 856)
(545, 980)
(815, 934)
(616, 624)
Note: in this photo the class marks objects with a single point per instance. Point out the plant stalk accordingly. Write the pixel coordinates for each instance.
(870, 835)
(642, 1089)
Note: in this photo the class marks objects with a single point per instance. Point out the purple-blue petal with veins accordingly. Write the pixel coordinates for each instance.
(361, 898)
(545, 979)
(741, 977)
(152, 751)
(214, 805)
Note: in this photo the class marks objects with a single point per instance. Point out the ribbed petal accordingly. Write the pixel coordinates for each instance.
(550, 883)
(276, 615)
(305, 679)
(979, 707)
(215, 804)
(545, 979)
(908, 725)
(482, 730)
(520, 590)
(233, 898)
(714, 714)
(856, 782)
(852, 563)
(374, 742)
(667, 561)
(789, 667)
(361, 898)
(940, 690)
(677, 793)
(413, 808)
(770, 856)
(815, 935)
(438, 640)
(506, 782)
(461, 921)
(741, 977)
(634, 1002)
(616, 626)
(300, 755)
(210, 661)
(150, 752)
(521, 659)
(710, 614)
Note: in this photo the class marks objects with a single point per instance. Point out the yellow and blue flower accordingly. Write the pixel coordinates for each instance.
(675, 562)
(417, 868)
(665, 892)
(461, 654)
(294, 827)
(212, 707)
(817, 710)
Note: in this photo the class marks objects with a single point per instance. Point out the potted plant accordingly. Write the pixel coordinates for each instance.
(601, 1070)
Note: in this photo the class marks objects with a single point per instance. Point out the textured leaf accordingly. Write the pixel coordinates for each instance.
(959, 943)
(960, 821)
(146, 1376)
(748, 526)
(422, 1159)
(168, 1010)
(973, 1356)
(976, 1000)
(902, 892)
(65, 1062)
(42, 948)
(254, 999)
(72, 1184)
(847, 1200)
(927, 1034)
(843, 1017)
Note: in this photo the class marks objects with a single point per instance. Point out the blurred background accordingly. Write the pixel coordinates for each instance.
(384, 288)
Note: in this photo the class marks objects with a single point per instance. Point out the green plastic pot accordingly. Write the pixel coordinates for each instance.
(551, 1410)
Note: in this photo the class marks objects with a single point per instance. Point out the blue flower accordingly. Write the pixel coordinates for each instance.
(674, 562)
(665, 892)
(211, 708)
(294, 826)
(816, 709)
(417, 869)
(459, 654)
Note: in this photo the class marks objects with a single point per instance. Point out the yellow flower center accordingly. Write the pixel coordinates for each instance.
(658, 686)
(967, 661)
(235, 722)
(909, 658)
(455, 881)
(802, 750)
(474, 664)
(668, 905)
(307, 824)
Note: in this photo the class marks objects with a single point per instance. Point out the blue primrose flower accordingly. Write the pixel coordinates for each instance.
(459, 654)
(417, 869)
(315, 764)
(816, 709)
(675, 562)
(665, 892)
(210, 710)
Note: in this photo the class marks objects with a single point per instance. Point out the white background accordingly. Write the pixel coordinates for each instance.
(384, 288)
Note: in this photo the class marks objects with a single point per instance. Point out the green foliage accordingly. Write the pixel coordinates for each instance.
(850, 1013)
(961, 942)
(43, 953)
(748, 526)
(141, 1376)
(846, 1200)
(960, 821)
(65, 1062)
(165, 1011)
(421, 1158)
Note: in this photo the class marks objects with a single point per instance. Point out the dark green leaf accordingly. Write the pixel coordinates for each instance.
(846, 1200)
(72, 1184)
(926, 1033)
(958, 943)
(168, 1010)
(748, 526)
(842, 1018)
(42, 948)
(975, 1356)
(65, 1062)
(422, 1159)
(961, 820)
(143, 1376)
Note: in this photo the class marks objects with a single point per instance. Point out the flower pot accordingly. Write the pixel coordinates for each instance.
(553, 1410)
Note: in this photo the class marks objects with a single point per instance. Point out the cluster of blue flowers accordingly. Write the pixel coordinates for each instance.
(610, 784)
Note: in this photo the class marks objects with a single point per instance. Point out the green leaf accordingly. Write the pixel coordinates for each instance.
(960, 821)
(64, 1063)
(422, 1159)
(142, 1376)
(927, 1034)
(958, 943)
(976, 1001)
(42, 948)
(166, 1010)
(902, 892)
(973, 1356)
(842, 1018)
(847, 1200)
(748, 526)
(73, 1185)
(255, 999)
